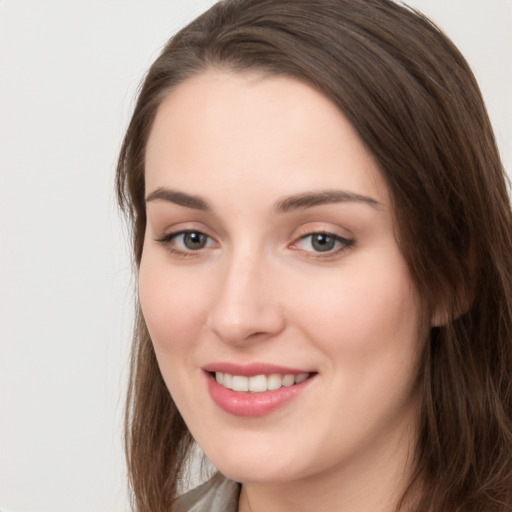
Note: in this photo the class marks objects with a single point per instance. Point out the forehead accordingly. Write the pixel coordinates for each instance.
(251, 128)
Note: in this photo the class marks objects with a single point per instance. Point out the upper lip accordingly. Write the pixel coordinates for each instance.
(253, 369)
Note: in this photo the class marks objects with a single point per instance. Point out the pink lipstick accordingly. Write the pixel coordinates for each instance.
(256, 389)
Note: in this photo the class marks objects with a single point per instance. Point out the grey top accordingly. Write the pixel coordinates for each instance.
(216, 495)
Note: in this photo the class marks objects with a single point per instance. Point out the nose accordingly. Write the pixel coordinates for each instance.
(247, 305)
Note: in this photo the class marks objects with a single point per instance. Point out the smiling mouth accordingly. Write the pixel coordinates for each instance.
(259, 383)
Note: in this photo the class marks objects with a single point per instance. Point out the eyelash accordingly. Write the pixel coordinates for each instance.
(343, 243)
(168, 239)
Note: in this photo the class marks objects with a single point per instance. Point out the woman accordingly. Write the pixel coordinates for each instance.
(322, 234)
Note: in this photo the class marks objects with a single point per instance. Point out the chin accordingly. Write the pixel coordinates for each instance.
(252, 467)
(247, 474)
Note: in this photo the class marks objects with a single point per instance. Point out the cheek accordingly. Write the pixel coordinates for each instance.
(366, 309)
(172, 303)
(174, 310)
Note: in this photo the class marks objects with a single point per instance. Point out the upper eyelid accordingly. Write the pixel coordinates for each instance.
(323, 232)
(336, 236)
(305, 233)
(322, 228)
(183, 227)
(174, 234)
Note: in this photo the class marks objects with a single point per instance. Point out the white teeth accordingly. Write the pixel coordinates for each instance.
(288, 380)
(301, 377)
(228, 381)
(240, 383)
(274, 381)
(259, 383)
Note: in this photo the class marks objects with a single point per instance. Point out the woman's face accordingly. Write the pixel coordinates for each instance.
(270, 263)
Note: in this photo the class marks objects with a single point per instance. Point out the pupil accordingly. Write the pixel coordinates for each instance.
(323, 243)
(194, 240)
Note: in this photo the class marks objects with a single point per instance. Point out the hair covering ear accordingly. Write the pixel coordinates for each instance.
(457, 297)
(441, 317)
(447, 311)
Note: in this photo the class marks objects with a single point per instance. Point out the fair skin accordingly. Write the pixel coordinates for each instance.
(270, 241)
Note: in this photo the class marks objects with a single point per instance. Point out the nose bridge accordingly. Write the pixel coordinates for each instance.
(246, 305)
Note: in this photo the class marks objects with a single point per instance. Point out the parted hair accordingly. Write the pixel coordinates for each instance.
(416, 105)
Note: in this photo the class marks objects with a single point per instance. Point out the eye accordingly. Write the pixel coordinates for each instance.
(192, 240)
(322, 243)
(186, 242)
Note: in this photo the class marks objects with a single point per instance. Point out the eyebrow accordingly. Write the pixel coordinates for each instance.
(179, 198)
(286, 205)
(310, 199)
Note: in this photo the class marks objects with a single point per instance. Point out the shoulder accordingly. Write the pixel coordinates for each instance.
(218, 494)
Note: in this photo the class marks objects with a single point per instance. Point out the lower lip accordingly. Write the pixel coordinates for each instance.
(240, 403)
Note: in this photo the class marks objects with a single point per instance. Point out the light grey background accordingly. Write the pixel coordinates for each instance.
(68, 75)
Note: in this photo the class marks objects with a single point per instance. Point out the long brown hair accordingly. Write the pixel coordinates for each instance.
(416, 105)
